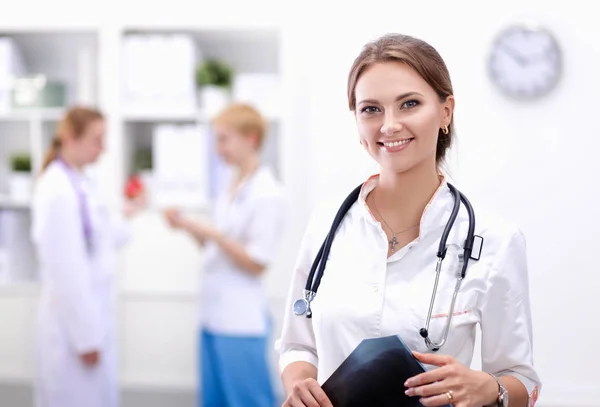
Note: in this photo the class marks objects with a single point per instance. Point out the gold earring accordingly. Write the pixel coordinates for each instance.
(445, 129)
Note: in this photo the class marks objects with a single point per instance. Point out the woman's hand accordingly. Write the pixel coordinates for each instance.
(135, 205)
(203, 230)
(307, 393)
(200, 230)
(173, 217)
(451, 383)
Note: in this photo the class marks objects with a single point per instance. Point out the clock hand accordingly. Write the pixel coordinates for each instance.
(515, 55)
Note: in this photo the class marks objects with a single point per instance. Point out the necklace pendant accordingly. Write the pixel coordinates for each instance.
(393, 243)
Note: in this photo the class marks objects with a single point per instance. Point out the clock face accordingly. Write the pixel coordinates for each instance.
(525, 62)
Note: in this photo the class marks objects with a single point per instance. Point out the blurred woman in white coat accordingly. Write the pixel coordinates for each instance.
(239, 248)
(76, 244)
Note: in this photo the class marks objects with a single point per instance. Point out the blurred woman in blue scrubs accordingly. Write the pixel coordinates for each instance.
(76, 242)
(248, 221)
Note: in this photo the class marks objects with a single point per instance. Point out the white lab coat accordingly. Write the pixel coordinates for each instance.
(364, 294)
(76, 313)
(255, 217)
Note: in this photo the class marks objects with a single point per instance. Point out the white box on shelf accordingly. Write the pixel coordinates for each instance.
(86, 89)
(20, 186)
(147, 179)
(212, 99)
(20, 261)
(11, 66)
(260, 90)
(158, 74)
(179, 166)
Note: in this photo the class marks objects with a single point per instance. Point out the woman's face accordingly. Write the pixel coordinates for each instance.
(399, 116)
(90, 144)
(232, 146)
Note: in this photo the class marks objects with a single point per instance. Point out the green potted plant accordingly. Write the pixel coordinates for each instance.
(142, 161)
(214, 79)
(20, 162)
(20, 177)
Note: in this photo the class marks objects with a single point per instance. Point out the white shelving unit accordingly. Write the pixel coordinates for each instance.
(75, 57)
(251, 53)
(66, 56)
(159, 270)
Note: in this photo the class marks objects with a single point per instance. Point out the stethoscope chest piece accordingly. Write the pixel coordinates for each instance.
(302, 306)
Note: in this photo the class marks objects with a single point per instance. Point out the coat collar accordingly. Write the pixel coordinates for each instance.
(436, 211)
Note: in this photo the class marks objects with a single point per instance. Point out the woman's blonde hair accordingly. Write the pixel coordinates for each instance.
(244, 119)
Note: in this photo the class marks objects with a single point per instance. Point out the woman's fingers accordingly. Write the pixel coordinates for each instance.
(318, 393)
(434, 359)
(427, 390)
(431, 376)
(307, 393)
(438, 400)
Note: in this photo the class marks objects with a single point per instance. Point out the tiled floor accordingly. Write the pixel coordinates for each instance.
(21, 396)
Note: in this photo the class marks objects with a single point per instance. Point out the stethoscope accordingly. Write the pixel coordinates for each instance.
(302, 305)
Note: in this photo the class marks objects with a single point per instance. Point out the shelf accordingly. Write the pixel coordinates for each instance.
(249, 50)
(8, 204)
(161, 90)
(20, 289)
(152, 118)
(56, 114)
(199, 117)
(67, 57)
(50, 114)
(155, 93)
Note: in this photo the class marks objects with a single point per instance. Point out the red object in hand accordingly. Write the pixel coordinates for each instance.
(134, 187)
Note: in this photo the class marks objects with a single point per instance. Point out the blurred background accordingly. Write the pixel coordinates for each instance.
(534, 159)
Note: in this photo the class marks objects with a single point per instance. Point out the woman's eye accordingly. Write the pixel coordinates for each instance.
(370, 109)
(410, 103)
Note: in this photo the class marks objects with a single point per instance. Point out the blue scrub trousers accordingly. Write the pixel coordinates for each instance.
(234, 371)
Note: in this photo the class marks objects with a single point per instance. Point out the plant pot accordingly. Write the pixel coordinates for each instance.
(213, 99)
(19, 186)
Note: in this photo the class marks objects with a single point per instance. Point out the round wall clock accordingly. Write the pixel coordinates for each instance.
(525, 61)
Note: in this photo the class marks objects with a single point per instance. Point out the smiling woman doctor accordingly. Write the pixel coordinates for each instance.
(380, 271)
(76, 242)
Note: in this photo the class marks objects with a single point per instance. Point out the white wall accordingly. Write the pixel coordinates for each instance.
(535, 163)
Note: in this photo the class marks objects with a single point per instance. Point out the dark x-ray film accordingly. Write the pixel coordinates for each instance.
(373, 375)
